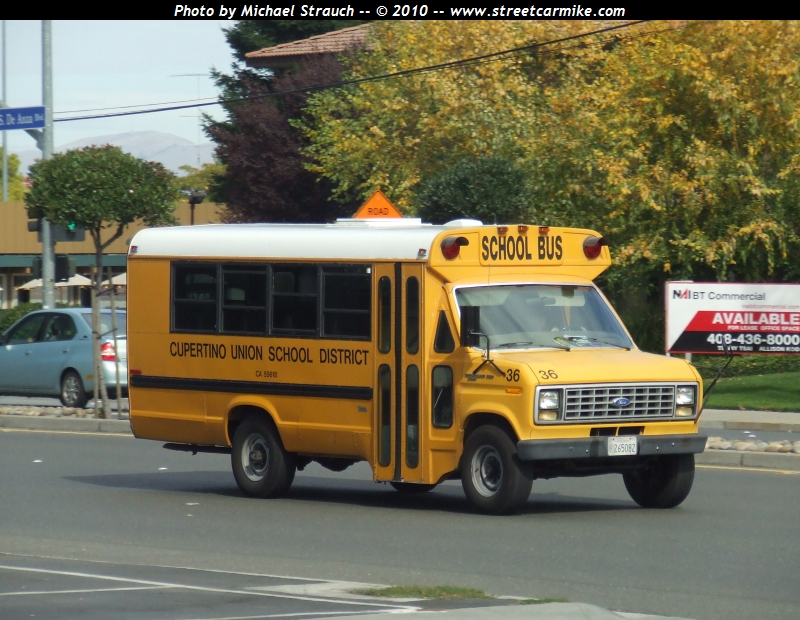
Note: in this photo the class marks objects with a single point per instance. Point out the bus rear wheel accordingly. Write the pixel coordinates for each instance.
(663, 483)
(494, 479)
(261, 465)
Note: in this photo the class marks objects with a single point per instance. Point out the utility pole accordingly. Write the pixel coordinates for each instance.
(5, 141)
(48, 247)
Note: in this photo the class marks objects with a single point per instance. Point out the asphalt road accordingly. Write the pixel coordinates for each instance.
(731, 551)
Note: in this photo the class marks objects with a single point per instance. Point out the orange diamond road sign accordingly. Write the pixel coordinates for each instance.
(377, 206)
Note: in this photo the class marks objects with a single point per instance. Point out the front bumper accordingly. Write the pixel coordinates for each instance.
(597, 447)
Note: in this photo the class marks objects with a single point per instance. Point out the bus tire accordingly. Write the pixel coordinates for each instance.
(261, 465)
(412, 487)
(663, 483)
(494, 479)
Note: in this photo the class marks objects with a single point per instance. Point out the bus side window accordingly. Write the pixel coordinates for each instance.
(244, 299)
(412, 315)
(442, 396)
(385, 315)
(294, 299)
(385, 413)
(412, 416)
(194, 298)
(347, 301)
(443, 342)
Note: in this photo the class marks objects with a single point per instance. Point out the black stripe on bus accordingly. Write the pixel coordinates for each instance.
(252, 387)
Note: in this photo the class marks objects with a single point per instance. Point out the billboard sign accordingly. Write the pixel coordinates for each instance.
(708, 317)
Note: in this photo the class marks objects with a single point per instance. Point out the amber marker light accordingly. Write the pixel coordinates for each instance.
(522, 229)
(543, 230)
(502, 230)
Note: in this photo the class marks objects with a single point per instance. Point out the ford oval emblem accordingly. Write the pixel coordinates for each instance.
(620, 402)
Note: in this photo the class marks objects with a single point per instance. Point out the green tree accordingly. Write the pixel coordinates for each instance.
(16, 186)
(678, 141)
(265, 178)
(103, 190)
(490, 189)
(204, 178)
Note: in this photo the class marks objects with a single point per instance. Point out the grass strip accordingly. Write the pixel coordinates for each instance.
(443, 593)
(540, 601)
(776, 392)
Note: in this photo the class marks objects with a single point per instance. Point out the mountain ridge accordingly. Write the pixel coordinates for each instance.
(171, 150)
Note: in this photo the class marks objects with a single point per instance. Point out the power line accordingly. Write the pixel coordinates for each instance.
(397, 74)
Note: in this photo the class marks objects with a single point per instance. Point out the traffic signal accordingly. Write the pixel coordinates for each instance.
(65, 268)
(70, 233)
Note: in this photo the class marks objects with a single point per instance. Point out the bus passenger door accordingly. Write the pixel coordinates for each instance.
(399, 378)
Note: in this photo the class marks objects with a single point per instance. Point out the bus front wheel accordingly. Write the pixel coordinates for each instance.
(663, 483)
(494, 479)
(261, 465)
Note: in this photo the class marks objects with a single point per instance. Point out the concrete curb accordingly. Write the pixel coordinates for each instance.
(776, 427)
(762, 460)
(75, 425)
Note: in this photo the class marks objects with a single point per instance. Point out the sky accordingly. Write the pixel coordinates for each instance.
(101, 64)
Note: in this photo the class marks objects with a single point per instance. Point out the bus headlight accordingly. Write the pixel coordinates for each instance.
(684, 395)
(549, 405)
(684, 401)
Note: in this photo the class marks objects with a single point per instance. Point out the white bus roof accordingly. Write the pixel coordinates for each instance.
(345, 240)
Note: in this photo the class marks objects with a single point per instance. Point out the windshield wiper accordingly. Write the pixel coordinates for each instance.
(610, 344)
(533, 344)
(516, 344)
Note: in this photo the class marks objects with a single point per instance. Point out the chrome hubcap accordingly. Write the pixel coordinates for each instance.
(255, 457)
(70, 390)
(487, 471)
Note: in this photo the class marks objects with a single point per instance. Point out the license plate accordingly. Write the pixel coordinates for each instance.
(623, 446)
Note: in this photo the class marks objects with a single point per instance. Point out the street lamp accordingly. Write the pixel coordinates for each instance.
(196, 196)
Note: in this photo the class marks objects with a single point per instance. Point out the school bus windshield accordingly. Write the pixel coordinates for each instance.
(538, 315)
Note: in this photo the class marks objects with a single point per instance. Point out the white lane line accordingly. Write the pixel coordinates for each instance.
(188, 568)
(297, 615)
(201, 588)
(31, 430)
(762, 470)
(27, 592)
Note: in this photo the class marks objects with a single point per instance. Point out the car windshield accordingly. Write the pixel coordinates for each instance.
(105, 323)
(539, 315)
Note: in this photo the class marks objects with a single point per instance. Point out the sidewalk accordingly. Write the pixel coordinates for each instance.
(546, 611)
(780, 421)
(711, 419)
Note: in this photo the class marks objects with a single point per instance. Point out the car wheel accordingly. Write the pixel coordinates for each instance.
(72, 392)
(411, 487)
(663, 483)
(261, 465)
(494, 479)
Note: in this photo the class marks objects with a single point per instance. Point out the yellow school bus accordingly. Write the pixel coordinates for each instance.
(461, 351)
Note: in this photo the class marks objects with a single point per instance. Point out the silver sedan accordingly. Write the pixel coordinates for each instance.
(49, 353)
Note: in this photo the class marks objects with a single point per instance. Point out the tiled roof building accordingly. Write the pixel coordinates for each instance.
(286, 54)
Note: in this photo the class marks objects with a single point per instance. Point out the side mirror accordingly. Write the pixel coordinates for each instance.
(470, 326)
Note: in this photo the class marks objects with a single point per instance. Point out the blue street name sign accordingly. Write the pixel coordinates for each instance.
(21, 118)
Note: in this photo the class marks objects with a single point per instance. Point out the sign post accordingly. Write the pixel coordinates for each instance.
(712, 317)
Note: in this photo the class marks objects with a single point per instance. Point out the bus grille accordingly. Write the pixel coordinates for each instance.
(596, 403)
